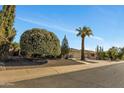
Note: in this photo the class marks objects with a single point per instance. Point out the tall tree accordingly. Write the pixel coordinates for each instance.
(0, 16)
(7, 31)
(97, 51)
(83, 32)
(65, 47)
(101, 54)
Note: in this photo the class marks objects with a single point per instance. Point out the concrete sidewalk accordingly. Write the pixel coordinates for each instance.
(9, 76)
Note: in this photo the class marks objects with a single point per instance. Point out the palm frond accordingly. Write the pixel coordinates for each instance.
(85, 31)
(79, 31)
(88, 31)
(78, 34)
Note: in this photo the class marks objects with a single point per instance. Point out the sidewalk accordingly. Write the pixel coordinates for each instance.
(9, 76)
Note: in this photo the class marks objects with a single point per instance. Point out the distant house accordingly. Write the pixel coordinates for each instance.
(88, 54)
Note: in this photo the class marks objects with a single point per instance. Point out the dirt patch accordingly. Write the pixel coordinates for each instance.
(23, 63)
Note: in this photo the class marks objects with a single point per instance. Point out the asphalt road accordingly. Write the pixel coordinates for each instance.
(101, 77)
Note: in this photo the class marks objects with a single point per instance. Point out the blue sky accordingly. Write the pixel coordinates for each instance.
(107, 23)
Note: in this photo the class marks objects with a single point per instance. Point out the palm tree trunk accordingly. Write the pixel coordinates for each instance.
(82, 50)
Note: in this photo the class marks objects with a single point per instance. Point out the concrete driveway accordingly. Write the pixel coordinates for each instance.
(91, 75)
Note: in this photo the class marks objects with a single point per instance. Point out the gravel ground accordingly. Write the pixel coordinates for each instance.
(50, 63)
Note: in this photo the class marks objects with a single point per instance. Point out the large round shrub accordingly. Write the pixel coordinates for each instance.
(39, 42)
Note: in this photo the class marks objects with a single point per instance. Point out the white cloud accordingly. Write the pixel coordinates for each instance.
(97, 38)
(59, 28)
(32, 21)
(53, 26)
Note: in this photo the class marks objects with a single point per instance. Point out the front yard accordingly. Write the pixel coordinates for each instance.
(23, 64)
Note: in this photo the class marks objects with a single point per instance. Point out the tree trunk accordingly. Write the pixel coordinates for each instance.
(82, 50)
(4, 52)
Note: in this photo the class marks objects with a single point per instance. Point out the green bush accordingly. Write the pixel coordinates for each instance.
(113, 53)
(39, 43)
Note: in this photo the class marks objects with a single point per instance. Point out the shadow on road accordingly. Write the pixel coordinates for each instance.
(106, 76)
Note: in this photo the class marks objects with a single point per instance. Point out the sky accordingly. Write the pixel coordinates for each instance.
(106, 22)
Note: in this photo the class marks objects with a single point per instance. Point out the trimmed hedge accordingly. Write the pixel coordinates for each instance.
(39, 43)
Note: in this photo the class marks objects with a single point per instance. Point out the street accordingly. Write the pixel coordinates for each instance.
(111, 76)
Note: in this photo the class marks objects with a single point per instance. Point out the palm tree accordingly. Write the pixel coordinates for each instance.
(83, 32)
